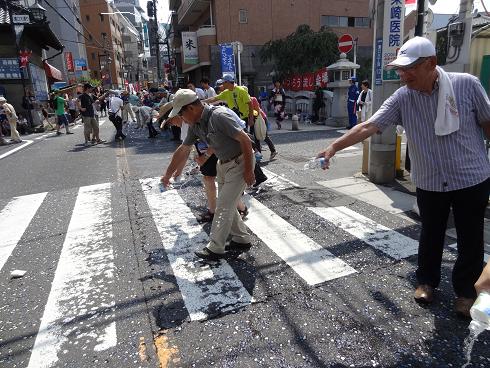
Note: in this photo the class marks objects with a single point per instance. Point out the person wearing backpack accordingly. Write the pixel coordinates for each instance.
(258, 111)
(235, 169)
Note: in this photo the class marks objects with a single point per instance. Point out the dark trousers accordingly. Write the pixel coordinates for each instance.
(266, 140)
(151, 129)
(351, 110)
(117, 121)
(468, 207)
(175, 132)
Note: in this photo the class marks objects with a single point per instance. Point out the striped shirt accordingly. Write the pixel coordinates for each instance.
(442, 163)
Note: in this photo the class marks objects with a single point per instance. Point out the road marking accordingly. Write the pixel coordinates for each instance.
(307, 258)
(388, 241)
(23, 145)
(205, 290)
(41, 137)
(79, 313)
(386, 198)
(277, 182)
(14, 220)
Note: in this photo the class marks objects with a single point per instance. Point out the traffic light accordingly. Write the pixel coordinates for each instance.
(149, 9)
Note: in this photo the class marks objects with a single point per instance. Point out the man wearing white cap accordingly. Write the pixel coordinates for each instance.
(444, 115)
(218, 129)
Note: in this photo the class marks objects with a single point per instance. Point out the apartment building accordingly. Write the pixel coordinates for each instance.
(255, 22)
(63, 18)
(103, 28)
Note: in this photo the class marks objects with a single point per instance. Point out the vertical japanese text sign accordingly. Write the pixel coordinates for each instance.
(190, 48)
(227, 59)
(394, 16)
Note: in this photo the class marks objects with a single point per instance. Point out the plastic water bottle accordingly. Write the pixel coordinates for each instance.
(258, 156)
(316, 163)
(480, 313)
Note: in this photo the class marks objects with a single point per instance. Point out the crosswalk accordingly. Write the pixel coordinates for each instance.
(80, 312)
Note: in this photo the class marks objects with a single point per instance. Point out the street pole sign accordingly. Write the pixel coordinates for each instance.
(346, 43)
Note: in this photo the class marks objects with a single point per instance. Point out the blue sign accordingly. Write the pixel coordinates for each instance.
(379, 62)
(80, 64)
(9, 69)
(227, 59)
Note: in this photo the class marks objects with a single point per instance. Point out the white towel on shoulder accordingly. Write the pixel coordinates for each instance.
(447, 120)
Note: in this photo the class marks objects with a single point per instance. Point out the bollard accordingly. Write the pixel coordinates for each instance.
(294, 124)
(365, 156)
(398, 157)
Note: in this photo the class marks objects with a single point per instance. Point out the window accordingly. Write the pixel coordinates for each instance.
(337, 21)
(329, 21)
(87, 17)
(362, 22)
(93, 55)
(101, 17)
(90, 37)
(243, 16)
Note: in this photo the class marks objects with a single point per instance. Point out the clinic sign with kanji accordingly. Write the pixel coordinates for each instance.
(394, 16)
(190, 48)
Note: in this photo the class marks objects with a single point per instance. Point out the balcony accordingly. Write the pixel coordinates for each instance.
(190, 11)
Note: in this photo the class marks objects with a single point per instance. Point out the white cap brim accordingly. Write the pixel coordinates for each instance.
(401, 61)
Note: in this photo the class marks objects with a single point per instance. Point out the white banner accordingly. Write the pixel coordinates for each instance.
(190, 47)
(394, 18)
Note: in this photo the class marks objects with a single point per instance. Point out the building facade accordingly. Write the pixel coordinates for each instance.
(132, 11)
(30, 36)
(63, 20)
(103, 30)
(255, 22)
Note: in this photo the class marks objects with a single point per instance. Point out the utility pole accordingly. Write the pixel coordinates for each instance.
(382, 148)
(157, 40)
(459, 39)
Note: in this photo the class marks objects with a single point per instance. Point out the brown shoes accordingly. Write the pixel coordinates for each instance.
(424, 294)
(462, 306)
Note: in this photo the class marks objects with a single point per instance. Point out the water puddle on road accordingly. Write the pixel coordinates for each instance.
(475, 330)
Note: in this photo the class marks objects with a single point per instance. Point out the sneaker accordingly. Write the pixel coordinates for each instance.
(206, 254)
(206, 217)
(87, 144)
(93, 141)
(238, 247)
(100, 141)
(70, 133)
(273, 154)
(59, 133)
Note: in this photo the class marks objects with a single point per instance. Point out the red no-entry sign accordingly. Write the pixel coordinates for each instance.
(346, 43)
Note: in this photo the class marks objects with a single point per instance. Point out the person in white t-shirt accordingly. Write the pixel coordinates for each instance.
(115, 114)
(208, 90)
(200, 93)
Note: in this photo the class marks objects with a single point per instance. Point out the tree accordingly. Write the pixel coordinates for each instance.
(302, 51)
(94, 82)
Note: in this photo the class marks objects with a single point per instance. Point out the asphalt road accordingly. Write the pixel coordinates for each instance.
(111, 280)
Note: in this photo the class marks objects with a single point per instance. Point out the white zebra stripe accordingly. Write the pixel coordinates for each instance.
(79, 312)
(14, 220)
(388, 241)
(204, 289)
(305, 256)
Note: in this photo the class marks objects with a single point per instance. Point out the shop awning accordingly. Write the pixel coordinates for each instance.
(52, 72)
